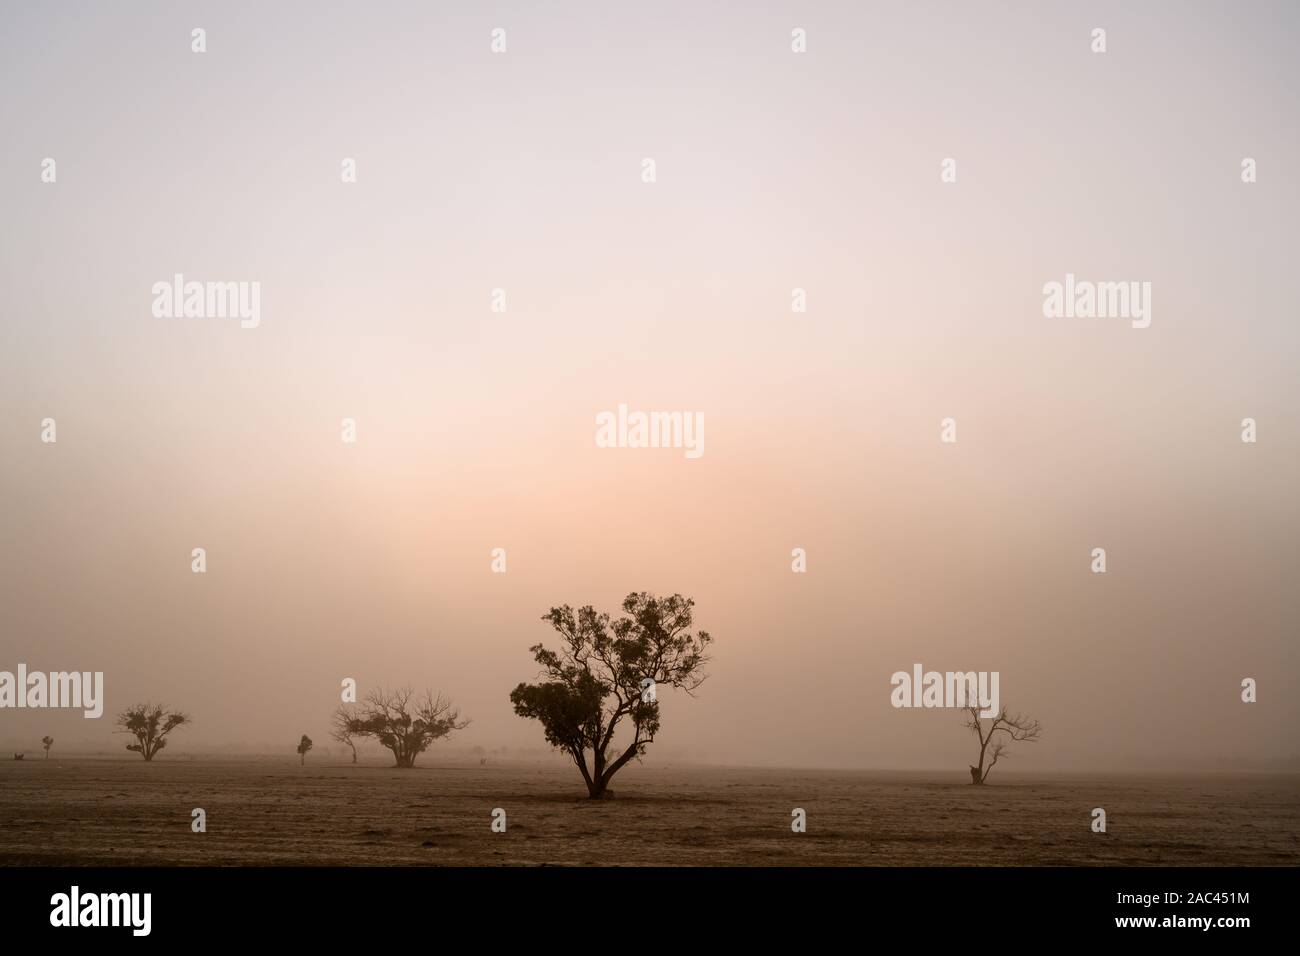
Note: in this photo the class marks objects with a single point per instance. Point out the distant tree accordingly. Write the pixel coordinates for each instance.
(150, 724)
(304, 745)
(608, 670)
(341, 728)
(1012, 727)
(48, 742)
(404, 725)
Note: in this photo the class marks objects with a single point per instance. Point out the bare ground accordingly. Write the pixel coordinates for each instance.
(271, 811)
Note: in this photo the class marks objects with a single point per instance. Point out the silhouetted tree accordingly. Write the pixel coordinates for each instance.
(341, 728)
(1012, 727)
(404, 726)
(608, 670)
(48, 742)
(303, 746)
(150, 724)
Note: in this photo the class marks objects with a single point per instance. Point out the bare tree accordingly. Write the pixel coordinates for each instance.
(47, 742)
(304, 745)
(610, 670)
(341, 728)
(404, 725)
(150, 724)
(1012, 727)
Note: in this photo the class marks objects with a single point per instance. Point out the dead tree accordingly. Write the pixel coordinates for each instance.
(1011, 727)
(341, 728)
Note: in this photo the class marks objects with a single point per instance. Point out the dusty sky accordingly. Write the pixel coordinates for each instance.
(522, 171)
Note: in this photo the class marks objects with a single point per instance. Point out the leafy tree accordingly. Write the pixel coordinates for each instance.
(150, 724)
(607, 671)
(304, 745)
(48, 742)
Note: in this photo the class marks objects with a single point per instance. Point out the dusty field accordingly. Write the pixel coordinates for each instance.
(271, 811)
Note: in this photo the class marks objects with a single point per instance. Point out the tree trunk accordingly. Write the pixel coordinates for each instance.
(977, 774)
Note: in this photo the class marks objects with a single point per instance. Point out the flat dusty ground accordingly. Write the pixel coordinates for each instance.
(271, 811)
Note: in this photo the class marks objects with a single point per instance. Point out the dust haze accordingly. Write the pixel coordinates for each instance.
(371, 560)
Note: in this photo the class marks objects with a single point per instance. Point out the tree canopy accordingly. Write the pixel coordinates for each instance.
(608, 671)
(150, 724)
(402, 723)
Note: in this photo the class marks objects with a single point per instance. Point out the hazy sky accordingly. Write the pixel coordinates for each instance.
(775, 170)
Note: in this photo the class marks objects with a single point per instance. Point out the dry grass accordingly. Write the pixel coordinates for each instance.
(271, 811)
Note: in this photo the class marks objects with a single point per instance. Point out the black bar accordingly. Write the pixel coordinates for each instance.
(338, 905)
